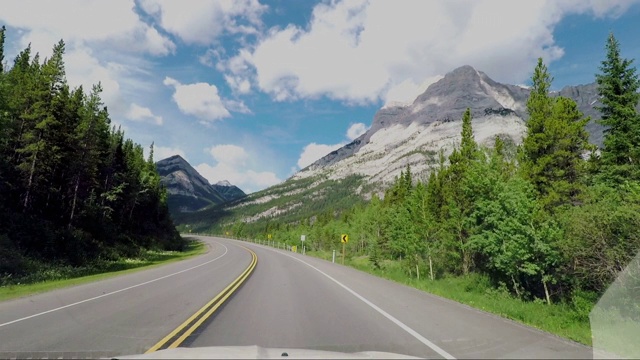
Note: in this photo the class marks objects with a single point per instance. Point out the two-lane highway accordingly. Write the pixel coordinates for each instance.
(289, 301)
(122, 315)
(296, 301)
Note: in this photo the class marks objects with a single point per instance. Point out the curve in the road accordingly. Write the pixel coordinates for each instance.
(114, 292)
(180, 334)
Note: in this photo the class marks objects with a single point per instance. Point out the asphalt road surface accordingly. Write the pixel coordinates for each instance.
(289, 301)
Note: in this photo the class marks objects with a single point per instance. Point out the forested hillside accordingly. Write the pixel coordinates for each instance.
(73, 190)
(555, 220)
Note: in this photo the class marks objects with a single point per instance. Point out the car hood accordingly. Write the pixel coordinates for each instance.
(258, 352)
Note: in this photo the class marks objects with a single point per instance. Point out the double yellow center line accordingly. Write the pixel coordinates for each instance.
(180, 334)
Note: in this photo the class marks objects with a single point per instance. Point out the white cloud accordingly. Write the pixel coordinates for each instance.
(313, 152)
(83, 68)
(247, 180)
(407, 91)
(238, 84)
(234, 163)
(98, 49)
(163, 152)
(230, 154)
(236, 106)
(92, 21)
(143, 114)
(199, 99)
(349, 50)
(356, 130)
(202, 21)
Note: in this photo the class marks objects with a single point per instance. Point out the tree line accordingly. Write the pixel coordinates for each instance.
(73, 189)
(548, 219)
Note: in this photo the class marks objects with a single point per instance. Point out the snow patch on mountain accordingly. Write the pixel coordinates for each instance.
(224, 183)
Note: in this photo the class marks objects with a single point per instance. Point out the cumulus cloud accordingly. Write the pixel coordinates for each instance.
(230, 154)
(407, 91)
(98, 49)
(163, 152)
(356, 130)
(203, 101)
(199, 99)
(235, 164)
(349, 52)
(202, 21)
(314, 151)
(92, 22)
(143, 114)
(84, 69)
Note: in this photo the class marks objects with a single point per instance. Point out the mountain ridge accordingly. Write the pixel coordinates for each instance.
(404, 135)
(188, 191)
(427, 108)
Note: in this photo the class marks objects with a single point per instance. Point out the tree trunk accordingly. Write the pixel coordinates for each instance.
(515, 286)
(31, 172)
(430, 268)
(546, 291)
(75, 198)
(135, 199)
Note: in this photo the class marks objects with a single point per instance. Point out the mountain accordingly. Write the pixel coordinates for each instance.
(400, 135)
(228, 191)
(188, 190)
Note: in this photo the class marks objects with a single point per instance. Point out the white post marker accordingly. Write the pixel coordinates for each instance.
(302, 239)
(333, 259)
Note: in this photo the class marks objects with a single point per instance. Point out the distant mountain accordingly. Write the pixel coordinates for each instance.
(228, 191)
(408, 134)
(188, 190)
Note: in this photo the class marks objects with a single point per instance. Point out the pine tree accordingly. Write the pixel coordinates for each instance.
(554, 144)
(539, 106)
(457, 204)
(468, 145)
(618, 86)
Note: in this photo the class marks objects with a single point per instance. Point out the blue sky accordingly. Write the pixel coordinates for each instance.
(252, 90)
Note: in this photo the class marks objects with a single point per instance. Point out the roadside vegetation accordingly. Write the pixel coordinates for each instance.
(76, 196)
(45, 277)
(535, 232)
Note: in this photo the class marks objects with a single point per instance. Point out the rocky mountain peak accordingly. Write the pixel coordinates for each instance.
(223, 183)
(444, 102)
(190, 191)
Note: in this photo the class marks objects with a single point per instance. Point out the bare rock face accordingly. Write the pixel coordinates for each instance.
(447, 99)
(188, 190)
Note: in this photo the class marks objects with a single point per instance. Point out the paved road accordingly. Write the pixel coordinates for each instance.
(298, 301)
(123, 315)
(290, 301)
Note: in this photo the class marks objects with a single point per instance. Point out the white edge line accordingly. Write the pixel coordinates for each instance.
(115, 292)
(402, 325)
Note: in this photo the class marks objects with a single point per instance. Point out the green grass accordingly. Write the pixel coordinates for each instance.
(123, 266)
(475, 290)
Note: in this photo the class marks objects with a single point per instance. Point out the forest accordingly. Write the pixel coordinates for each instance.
(554, 219)
(74, 192)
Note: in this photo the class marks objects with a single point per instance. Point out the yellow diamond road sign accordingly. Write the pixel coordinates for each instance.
(344, 238)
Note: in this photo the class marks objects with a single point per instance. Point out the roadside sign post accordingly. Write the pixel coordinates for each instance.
(344, 238)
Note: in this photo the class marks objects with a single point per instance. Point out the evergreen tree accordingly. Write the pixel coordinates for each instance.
(457, 204)
(618, 86)
(535, 144)
(554, 144)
